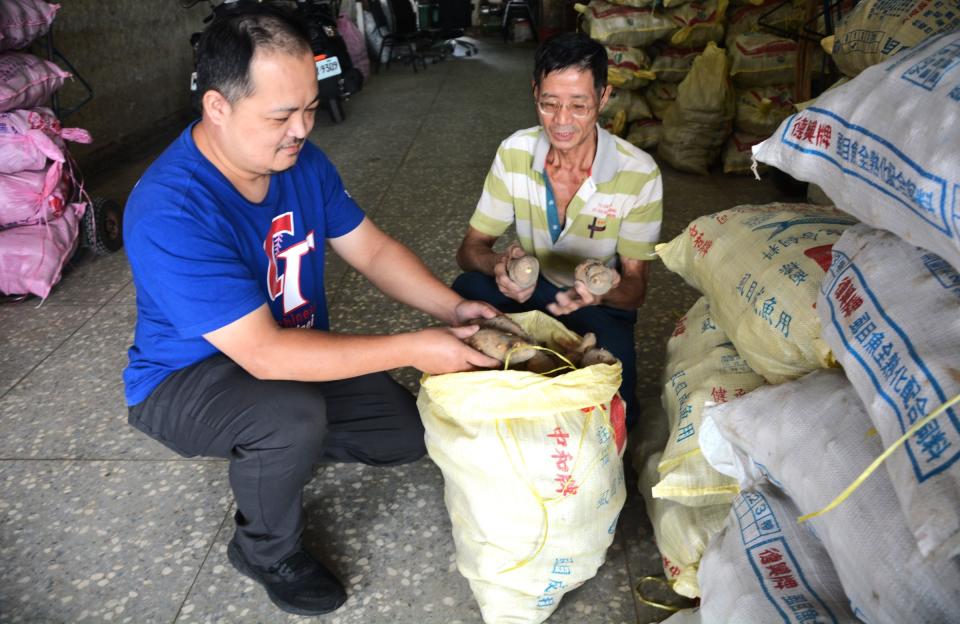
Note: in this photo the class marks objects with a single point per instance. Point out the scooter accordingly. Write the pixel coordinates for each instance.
(337, 78)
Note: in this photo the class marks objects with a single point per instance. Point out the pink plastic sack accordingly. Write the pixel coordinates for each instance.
(356, 45)
(29, 137)
(32, 256)
(29, 197)
(22, 21)
(27, 81)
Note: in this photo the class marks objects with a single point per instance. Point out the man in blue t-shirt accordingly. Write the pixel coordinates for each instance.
(232, 356)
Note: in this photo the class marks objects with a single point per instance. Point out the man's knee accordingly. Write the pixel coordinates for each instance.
(405, 442)
(292, 416)
(475, 285)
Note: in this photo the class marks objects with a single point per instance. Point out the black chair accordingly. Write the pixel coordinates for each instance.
(400, 34)
(454, 17)
(519, 9)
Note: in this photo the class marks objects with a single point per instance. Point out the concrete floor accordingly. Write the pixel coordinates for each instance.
(99, 523)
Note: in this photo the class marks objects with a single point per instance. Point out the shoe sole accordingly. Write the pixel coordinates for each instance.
(236, 559)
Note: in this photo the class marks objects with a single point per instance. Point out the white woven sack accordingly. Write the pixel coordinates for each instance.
(673, 64)
(891, 314)
(759, 59)
(761, 110)
(877, 29)
(681, 532)
(645, 133)
(660, 96)
(761, 267)
(533, 475)
(764, 567)
(884, 146)
(611, 24)
(700, 22)
(702, 368)
(812, 437)
(737, 157)
(628, 68)
(632, 103)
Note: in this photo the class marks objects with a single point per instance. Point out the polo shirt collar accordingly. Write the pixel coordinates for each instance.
(604, 161)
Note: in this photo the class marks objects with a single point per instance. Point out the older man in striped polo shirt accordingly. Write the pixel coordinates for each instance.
(574, 192)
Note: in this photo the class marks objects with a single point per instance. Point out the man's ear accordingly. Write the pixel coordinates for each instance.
(533, 88)
(604, 96)
(216, 108)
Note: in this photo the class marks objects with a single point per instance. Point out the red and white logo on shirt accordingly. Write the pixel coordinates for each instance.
(288, 282)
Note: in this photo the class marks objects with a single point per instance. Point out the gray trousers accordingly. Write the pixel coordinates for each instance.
(273, 432)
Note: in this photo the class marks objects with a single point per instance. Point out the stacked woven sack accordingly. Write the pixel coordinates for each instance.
(39, 219)
(849, 316)
(676, 88)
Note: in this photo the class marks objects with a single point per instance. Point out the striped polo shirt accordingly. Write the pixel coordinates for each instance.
(617, 209)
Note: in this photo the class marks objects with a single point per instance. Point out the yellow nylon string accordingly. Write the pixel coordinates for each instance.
(879, 460)
(654, 603)
(541, 501)
(515, 348)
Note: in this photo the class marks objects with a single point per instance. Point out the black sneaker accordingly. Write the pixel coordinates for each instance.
(298, 583)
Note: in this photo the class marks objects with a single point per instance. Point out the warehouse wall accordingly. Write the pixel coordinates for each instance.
(136, 56)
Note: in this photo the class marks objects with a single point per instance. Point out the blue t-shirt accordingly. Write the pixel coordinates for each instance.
(202, 256)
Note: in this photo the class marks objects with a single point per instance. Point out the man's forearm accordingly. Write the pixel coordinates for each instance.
(400, 274)
(312, 355)
(477, 256)
(631, 292)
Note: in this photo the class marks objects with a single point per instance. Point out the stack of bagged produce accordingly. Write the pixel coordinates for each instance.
(851, 314)
(652, 46)
(39, 217)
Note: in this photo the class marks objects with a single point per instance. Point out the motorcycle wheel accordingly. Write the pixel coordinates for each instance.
(102, 226)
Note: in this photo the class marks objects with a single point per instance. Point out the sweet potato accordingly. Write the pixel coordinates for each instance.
(505, 324)
(597, 276)
(524, 271)
(497, 344)
(597, 355)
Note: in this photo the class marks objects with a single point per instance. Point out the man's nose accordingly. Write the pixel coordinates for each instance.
(564, 116)
(299, 128)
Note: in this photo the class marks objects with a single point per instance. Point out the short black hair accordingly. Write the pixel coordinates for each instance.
(571, 50)
(228, 44)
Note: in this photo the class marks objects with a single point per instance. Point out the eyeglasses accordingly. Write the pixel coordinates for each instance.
(552, 107)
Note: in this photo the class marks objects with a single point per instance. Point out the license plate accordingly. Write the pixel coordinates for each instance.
(328, 67)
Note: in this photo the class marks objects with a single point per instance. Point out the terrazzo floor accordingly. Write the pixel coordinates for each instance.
(100, 524)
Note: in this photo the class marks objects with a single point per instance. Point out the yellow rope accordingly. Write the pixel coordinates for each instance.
(518, 347)
(653, 603)
(879, 460)
(541, 501)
